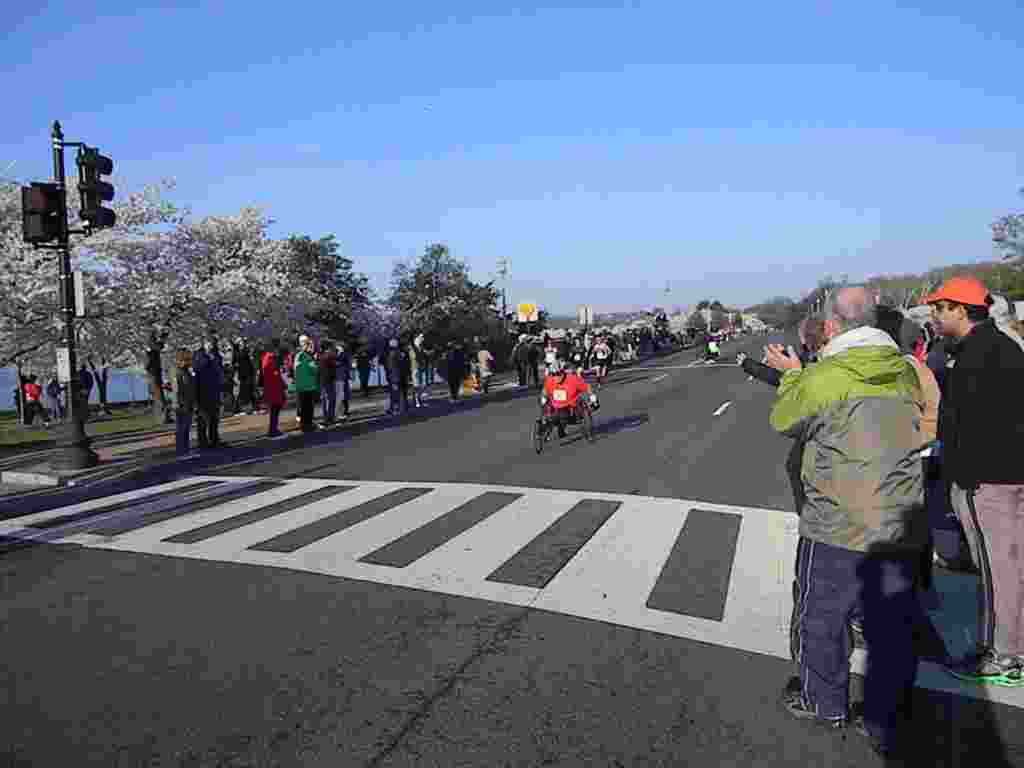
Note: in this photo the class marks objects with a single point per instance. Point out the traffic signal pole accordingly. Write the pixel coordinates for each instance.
(74, 442)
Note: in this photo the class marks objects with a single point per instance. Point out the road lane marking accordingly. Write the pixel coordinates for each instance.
(609, 577)
(722, 407)
(656, 379)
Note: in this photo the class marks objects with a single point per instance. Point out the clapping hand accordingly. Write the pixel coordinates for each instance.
(781, 358)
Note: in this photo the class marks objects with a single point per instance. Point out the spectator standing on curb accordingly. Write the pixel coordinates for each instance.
(209, 374)
(55, 392)
(455, 369)
(422, 362)
(363, 362)
(981, 426)
(274, 393)
(307, 382)
(228, 401)
(185, 389)
(85, 384)
(343, 383)
(908, 335)
(404, 375)
(327, 362)
(33, 402)
(242, 357)
(862, 522)
(393, 367)
(485, 361)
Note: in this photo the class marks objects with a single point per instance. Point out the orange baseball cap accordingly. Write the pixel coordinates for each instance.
(961, 290)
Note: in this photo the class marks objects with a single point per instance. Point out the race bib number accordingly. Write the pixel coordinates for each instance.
(549, 357)
(601, 355)
(560, 396)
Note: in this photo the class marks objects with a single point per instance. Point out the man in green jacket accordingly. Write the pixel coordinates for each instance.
(863, 521)
(307, 382)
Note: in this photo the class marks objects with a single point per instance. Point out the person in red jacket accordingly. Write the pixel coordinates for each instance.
(33, 402)
(562, 389)
(274, 394)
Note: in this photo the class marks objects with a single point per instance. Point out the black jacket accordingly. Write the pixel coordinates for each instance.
(982, 423)
(186, 389)
(762, 372)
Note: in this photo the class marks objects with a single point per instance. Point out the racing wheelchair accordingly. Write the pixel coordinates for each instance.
(582, 413)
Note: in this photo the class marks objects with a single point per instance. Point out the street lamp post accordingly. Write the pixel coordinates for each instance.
(503, 273)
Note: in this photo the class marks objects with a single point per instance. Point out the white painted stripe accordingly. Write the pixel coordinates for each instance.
(759, 586)
(656, 379)
(722, 407)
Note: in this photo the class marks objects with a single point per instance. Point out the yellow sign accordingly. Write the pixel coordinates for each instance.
(527, 313)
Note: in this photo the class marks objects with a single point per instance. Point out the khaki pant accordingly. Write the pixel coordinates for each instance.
(1000, 513)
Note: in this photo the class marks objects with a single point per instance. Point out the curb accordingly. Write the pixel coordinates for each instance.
(37, 479)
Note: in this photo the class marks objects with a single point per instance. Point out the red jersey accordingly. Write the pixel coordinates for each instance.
(563, 393)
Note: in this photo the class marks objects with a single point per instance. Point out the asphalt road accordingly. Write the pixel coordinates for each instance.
(429, 591)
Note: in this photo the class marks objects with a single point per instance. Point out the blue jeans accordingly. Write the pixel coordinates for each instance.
(836, 585)
(328, 401)
(183, 435)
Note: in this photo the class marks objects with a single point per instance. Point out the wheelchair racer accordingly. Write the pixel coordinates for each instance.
(562, 389)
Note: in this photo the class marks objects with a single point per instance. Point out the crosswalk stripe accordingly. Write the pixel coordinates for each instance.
(429, 536)
(695, 578)
(154, 532)
(353, 544)
(542, 558)
(339, 521)
(470, 557)
(178, 507)
(74, 517)
(96, 505)
(606, 565)
(223, 525)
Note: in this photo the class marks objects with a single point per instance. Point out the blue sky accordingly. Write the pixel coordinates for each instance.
(731, 151)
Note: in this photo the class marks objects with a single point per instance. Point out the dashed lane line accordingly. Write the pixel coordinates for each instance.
(722, 407)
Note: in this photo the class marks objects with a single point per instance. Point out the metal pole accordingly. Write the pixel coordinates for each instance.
(76, 453)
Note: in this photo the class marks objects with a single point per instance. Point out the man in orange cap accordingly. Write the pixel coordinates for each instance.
(981, 428)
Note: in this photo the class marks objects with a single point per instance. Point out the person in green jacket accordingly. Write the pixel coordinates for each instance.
(307, 382)
(863, 521)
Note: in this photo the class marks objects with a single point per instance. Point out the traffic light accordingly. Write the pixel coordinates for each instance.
(41, 213)
(93, 190)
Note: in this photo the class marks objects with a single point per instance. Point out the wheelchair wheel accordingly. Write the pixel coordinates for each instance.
(538, 435)
(587, 419)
